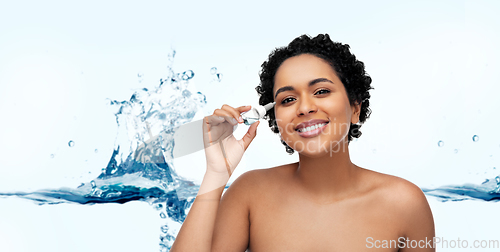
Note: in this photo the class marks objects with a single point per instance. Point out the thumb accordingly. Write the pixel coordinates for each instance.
(250, 135)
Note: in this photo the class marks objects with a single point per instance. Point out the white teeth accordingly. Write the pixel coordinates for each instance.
(312, 127)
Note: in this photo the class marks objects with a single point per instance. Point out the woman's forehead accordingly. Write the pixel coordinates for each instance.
(302, 69)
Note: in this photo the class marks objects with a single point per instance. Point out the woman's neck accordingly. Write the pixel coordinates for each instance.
(329, 178)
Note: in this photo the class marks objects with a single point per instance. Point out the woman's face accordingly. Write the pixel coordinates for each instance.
(312, 109)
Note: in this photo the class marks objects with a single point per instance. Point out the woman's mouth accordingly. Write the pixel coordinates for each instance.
(312, 131)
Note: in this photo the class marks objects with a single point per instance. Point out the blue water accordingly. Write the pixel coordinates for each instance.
(140, 167)
(489, 190)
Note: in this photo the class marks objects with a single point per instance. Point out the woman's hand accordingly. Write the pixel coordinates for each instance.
(222, 151)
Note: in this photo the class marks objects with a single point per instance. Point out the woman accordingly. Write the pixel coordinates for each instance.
(324, 202)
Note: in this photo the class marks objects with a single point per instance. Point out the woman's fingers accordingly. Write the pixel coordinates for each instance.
(243, 108)
(250, 135)
(235, 112)
(214, 120)
(231, 111)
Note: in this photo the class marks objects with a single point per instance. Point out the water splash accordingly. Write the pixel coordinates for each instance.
(489, 190)
(140, 167)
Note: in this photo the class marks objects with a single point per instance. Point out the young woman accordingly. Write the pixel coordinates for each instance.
(324, 202)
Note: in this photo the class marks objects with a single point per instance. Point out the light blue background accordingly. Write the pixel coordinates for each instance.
(434, 66)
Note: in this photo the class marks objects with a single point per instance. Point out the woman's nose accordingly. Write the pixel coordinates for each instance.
(306, 106)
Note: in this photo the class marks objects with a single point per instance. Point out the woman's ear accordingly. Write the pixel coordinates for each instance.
(356, 110)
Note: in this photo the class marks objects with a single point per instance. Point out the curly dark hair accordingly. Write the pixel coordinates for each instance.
(350, 71)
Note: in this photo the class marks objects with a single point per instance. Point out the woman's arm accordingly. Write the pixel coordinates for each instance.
(419, 225)
(232, 225)
(197, 229)
(223, 153)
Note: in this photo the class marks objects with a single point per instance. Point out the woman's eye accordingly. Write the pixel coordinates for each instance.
(323, 91)
(286, 100)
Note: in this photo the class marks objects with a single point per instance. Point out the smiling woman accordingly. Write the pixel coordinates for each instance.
(349, 73)
(315, 96)
(324, 202)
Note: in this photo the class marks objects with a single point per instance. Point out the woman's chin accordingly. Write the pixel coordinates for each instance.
(321, 149)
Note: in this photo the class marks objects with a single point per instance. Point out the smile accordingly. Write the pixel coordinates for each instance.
(312, 131)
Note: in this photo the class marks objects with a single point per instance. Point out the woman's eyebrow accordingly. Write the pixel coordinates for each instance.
(311, 83)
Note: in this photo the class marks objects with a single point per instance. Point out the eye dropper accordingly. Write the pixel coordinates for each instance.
(256, 113)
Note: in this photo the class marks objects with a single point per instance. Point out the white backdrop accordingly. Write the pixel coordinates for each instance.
(433, 65)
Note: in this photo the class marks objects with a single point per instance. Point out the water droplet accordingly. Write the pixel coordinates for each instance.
(440, 143)
(498, 180)
(71, 143)
(219, 77)
(475, 138)
(162, 215)
(164, 229)
(93, 184)
(186, 93)
(96, 150)
(159, 207)
(140, 77)
(213, 70)
(494, 168)
(172, 54)
(456, 151)
(52, 155)
(187, 75)
(97, 193)
(201, 98)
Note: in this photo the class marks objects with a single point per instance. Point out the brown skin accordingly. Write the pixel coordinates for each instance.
(324, 202)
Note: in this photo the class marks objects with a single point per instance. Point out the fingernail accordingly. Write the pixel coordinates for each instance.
(240, 119)
(234, 121)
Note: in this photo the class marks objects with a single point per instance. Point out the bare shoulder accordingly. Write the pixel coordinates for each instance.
(407, 202)
(394, 188)
(254, 181)
(250, 178)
